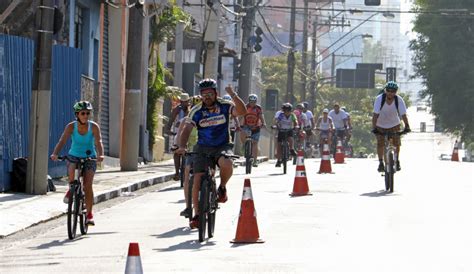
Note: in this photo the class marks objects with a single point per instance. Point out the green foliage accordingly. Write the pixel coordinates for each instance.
(163, 27)
(444, 60)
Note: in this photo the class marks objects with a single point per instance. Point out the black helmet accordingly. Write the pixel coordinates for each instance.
(287, 106)
(207, 83)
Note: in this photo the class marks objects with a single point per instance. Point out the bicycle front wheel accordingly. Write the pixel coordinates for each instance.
(211, 215)
(248, 157)
(203, 208)
(72, 213)
(391, 163)
(284, 157)
(82, 216)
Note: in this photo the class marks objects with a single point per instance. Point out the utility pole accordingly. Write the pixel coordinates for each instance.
(132, 109)
(291, 54)
(37, 170)
(211, 39)
(304, 58)
(178, 51)
(333, 69)
(246, 64)
(314, 74)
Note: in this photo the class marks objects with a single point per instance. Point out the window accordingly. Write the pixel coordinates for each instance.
(78, 25)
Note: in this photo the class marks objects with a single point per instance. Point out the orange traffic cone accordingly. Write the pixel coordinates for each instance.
(339, 157)
(325, 166)
(455, 155)
(300, 185)
(247, 228)
(134, 263)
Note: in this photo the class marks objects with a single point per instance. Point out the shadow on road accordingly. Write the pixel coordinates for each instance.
(190, 244)
(175, 232)
(56, 243)
(379, 193)
(170, 188)
(178, 202)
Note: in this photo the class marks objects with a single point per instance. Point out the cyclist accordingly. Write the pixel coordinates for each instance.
(86, 137)
(339, 119)
(325, 127)
(195, 100)
(309, 132)
(285, 119)
(349, 124)
(177, 116)
(388, 107)
(234, 122)
(212, 119)
(252, 121)
(303, 122)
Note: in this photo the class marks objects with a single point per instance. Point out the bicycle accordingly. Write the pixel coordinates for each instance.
(300, 142)
(389, 158)
(248, 154)
(76, 207)
(285, 147)
(208, 196)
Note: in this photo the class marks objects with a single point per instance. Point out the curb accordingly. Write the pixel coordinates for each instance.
(131, 187)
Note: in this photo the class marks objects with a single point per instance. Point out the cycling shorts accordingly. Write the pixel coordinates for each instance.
(88, 165)
(200, 161)
(284, 135)
(255, 134)
(381, 138)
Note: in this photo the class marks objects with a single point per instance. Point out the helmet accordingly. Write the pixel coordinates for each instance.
(207, 83)
(305, 104)
(82, 105)
(196, 99)
(253, 98)
(344, 108)
(391, 85)
(300, 106)
(325, 110)
(227, 97)
(287, 106)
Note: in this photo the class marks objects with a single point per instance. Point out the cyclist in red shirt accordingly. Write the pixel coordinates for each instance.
(251, 124)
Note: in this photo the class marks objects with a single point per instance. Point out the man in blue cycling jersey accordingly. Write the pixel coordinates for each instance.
(212, 119)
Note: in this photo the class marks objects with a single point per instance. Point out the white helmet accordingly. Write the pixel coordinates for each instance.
(253, 98)
(227, 97)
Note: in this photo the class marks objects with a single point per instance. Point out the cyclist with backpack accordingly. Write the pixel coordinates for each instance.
(388, 108)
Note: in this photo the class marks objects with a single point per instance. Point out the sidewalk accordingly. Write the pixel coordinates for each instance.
(19, 211)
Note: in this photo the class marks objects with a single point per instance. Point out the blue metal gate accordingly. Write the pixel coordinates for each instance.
(16, 71)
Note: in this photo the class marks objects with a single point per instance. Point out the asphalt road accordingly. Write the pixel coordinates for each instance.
(349, 224)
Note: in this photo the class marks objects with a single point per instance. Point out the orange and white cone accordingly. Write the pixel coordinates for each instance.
(325, 166)
(339, 157)
(134, 263)
(455, 155)
(300, 185)
(247, 228)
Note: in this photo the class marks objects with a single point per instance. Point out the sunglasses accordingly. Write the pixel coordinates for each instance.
(392, 90)
(83, 113)
(208, 94)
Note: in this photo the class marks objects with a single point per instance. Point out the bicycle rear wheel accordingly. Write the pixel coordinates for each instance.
(72, 213)
(189, 204)
(391, 163)
(211, 215)
(203, 208)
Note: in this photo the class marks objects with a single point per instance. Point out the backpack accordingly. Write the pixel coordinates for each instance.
(18, 178)
(384, 96)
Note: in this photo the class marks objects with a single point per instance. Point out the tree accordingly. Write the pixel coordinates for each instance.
(444, 60)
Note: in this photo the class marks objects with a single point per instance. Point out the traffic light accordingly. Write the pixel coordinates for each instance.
(372, 2)
(236, 74)
(391, 74)
(258, 39)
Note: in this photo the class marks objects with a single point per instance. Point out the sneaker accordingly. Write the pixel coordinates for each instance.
(381, 167)
(66, 197)
(278, 164)
(185, 213)
(90, 219)
(194, 223)
(255, 163)
(221, 194)
(397, 166)
(176, 177)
